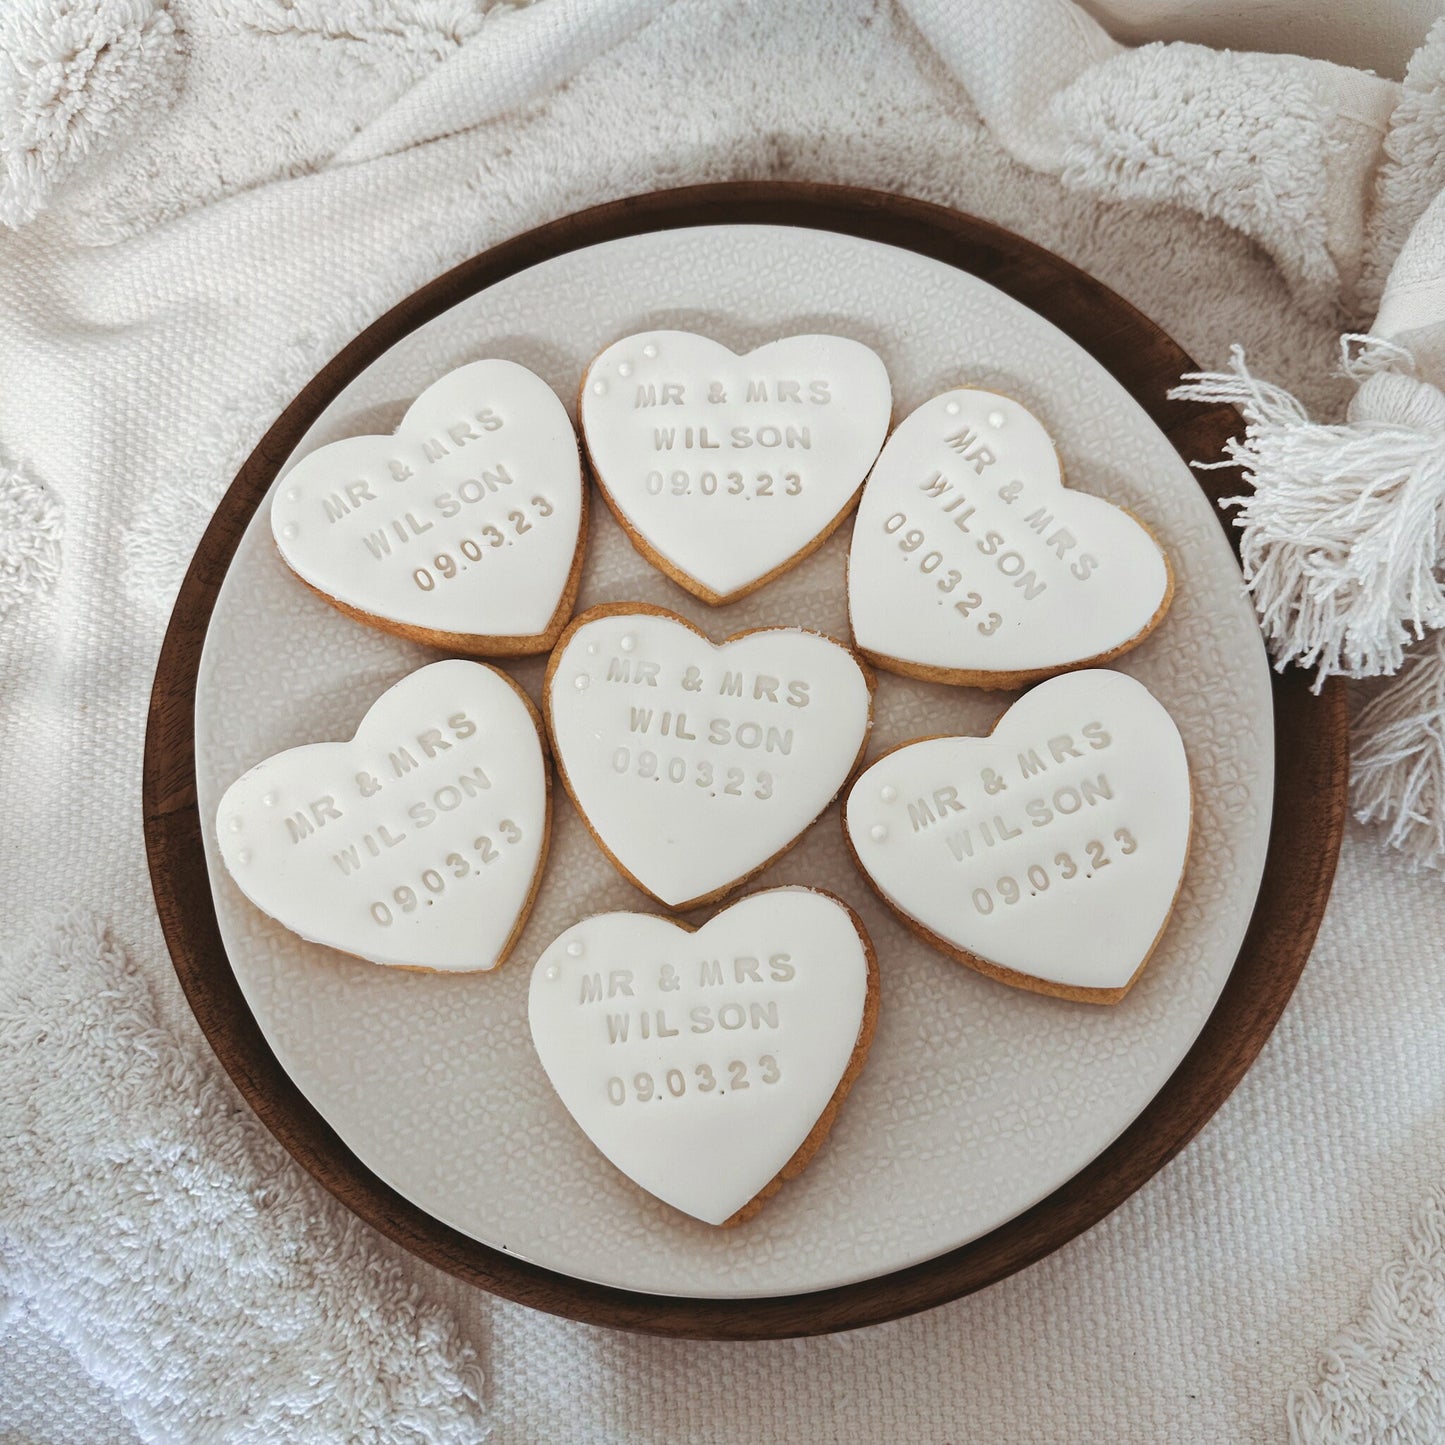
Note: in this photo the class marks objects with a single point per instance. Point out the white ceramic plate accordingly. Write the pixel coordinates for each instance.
(977, 1101)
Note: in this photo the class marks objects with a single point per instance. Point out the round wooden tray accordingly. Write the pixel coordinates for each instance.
(1311, 743)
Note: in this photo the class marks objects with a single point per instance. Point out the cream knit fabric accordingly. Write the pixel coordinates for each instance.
(193, 264)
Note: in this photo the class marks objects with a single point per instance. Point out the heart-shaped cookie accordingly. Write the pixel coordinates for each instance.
(709, 1066)
(464, 530)
(696, 763)
(726, 470)
(971, 562)
(1048, 854)
(420, 842)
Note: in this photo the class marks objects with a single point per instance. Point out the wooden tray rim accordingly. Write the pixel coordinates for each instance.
(1311, 778)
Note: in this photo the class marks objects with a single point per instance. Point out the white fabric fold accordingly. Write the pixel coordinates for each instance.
(1412, 310)
(1016, 60)
(517, 56)
(1280, 147)
(158, 1228)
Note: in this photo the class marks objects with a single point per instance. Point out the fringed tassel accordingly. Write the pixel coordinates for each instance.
(1398, 773)
(1345, 529)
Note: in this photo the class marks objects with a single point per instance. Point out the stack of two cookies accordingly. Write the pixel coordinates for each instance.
(421, 842)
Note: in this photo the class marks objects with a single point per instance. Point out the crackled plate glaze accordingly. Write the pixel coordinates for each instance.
(977, 1100)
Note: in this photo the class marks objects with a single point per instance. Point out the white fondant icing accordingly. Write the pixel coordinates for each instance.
(1053, 847)
(466, 520)
(415, 843)
(696, 762)
(699, 1062)
(729, 466)
(969, 554)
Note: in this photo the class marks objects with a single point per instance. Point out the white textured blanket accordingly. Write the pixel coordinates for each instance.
(210, 197)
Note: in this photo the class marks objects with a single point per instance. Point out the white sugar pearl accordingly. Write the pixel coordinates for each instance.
(236, 825)
(624, 368)
(889, 794)
(244, 855)
(289, 530)
(270, 800)
(650, 350)
(575, 949)
(581, 682)
(628, 643)
(599, 388)
(995, 418)
(951, 408)
(878, 832)
(554, 972)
